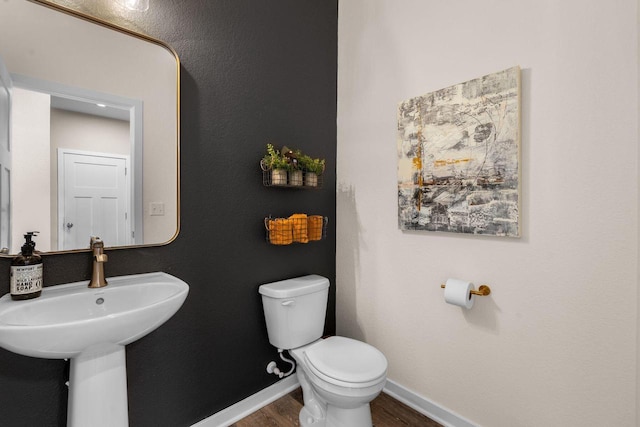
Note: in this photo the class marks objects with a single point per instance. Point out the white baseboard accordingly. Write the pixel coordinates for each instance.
(274, 392)
(426, 407)
(251, 404)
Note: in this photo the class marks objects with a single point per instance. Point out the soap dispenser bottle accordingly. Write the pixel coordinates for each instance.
(26, 271)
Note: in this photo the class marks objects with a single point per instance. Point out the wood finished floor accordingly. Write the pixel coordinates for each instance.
(385, 412)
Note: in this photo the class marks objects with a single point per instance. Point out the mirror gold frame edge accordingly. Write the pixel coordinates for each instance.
(101, 22)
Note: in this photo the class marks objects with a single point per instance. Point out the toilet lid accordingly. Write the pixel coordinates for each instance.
(347, 360)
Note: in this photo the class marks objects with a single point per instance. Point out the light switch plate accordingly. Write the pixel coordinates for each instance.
(157, 209)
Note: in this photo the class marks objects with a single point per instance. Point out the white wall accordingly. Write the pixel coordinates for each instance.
(30, 198)
(555, 343)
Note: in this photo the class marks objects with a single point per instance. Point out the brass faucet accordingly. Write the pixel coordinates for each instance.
(99, 258)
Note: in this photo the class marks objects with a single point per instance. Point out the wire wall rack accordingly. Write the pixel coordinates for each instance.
(298, 228)
(298, 178)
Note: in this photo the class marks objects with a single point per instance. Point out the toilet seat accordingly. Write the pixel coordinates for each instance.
(346, 362)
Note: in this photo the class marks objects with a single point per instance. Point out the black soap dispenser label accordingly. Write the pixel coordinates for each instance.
(26, 271)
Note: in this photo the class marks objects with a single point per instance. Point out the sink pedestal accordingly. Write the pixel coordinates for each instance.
(98, 388)
(92, 327)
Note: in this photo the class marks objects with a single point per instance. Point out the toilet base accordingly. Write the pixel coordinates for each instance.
(331, 405)
(307, 420)
(338, 417)
(356, 417)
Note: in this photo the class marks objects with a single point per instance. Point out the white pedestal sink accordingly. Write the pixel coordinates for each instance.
(91, 327)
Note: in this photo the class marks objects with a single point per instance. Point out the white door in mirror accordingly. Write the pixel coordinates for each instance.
(94, 199)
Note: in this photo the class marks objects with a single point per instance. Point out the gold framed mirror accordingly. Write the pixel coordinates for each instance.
(94, 121)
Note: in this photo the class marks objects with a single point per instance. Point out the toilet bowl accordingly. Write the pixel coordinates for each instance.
(339, 376)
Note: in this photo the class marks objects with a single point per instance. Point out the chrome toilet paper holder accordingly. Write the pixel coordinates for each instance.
(483, 290)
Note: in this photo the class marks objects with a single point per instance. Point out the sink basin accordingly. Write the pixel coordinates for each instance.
(68, 319)
(91, 327)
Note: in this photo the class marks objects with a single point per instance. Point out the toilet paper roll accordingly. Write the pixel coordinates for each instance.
(457, 292)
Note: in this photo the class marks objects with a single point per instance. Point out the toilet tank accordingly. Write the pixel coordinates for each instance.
(295, 310)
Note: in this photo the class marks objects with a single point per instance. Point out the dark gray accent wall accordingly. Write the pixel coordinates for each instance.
(252, 72)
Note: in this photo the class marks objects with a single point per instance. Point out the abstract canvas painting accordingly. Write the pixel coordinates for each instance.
(459, 158)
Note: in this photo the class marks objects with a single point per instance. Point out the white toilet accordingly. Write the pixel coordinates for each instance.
(339, 376)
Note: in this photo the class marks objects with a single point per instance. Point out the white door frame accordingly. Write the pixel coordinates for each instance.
(135, 107)
(6, 82)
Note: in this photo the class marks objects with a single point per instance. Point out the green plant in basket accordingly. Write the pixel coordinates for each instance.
(274, 160)
(276, 165)
(312, 167)
(295, 172)
(315, 166)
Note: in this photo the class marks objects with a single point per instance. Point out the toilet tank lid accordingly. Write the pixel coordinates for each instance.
(294, 287)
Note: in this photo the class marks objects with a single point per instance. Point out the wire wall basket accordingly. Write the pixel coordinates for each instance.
(299, 179)
(298, 228)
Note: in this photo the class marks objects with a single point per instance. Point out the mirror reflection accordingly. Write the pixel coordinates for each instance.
(88, 132)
